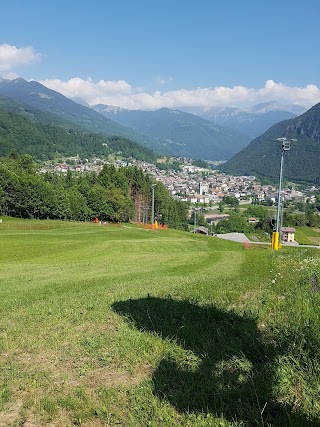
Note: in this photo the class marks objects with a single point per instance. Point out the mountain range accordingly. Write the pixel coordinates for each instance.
(179, 133)
(262, 156)
(170, 131)
(65, 110)
(253, 121)
(177, 130)
(165, 131)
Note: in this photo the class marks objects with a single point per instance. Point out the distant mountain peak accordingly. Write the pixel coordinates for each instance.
(104, 108)
(276, 106)
(15, 81)
(271, 105)
(20, 79)
(252, 121)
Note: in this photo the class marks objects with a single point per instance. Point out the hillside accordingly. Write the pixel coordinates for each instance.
(40, 97)
(20, 131)
(262, 156)
(34, 114)
(180, 133)
(253, 121)
(124, 326)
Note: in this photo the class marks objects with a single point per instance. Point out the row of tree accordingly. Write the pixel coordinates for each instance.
(296, 214)
(239, 222)
(302, 214)
(112, 195)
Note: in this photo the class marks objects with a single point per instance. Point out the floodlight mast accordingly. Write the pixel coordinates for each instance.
(286, 145)
(152, 206)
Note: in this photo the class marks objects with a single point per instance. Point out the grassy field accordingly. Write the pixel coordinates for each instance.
(307, 235)
(121, 326)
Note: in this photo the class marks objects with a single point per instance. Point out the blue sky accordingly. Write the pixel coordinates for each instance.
(148, 54)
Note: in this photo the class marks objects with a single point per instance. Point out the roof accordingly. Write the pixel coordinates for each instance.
(201, 230)
(288, 229)
(216, 216)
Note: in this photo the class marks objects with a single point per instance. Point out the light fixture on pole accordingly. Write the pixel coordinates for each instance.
(152, 207)
(286, 145)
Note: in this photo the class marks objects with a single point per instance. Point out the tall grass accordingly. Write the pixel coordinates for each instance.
(124, 326)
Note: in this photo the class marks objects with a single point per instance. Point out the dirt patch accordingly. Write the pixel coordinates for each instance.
(47, 374)
(13, 418)
(70, 373)
(11, 415)
(315, 240)
(105, 377)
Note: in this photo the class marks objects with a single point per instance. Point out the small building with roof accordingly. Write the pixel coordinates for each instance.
(287, 234)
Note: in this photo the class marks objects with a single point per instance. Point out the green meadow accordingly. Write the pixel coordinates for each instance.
(308, 235)
(124, 326)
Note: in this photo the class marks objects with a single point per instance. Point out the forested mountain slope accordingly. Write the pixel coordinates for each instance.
(262, 156)
(21, 133)
(40, 97)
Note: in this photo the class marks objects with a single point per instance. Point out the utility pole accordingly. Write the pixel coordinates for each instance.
(152, 211)
(195, 220)
(276, 240)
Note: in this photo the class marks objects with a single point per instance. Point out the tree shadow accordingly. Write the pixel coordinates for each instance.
(230, 369)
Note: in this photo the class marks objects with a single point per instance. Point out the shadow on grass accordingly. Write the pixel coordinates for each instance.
(230, 371)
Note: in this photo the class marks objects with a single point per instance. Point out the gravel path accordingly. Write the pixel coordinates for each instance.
(236, 237)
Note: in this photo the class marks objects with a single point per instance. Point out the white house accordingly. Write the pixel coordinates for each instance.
(287, 234)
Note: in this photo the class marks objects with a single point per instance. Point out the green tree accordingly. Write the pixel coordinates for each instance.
(235, 224)
(231, 201)
(97, 202)
(79, 209)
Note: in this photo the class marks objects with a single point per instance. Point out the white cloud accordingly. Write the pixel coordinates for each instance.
(160, 81)
(10, 76)
(88, 90)
(12, 56)
(120, 93)
(119, 86)
(308, 95)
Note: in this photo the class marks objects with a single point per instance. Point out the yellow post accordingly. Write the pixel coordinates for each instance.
(275, 240)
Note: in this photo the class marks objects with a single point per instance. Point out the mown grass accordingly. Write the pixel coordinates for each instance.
(307, 236)
(116, 325)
